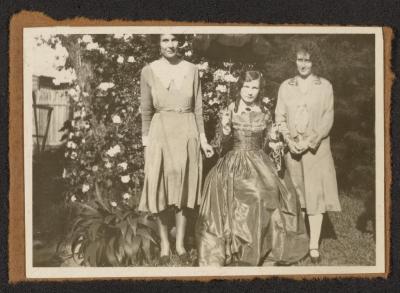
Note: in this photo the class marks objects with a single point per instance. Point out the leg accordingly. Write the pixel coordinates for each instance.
(162, 221)
(180, 220)
(315, 232)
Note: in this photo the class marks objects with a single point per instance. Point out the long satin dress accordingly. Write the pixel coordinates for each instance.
(249, 215)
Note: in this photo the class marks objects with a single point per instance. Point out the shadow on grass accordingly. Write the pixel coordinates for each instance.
(49, 211)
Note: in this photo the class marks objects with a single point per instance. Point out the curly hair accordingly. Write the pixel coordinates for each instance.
(247, 76)
(312, 48)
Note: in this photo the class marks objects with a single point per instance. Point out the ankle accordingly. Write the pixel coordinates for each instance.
(314, 252)
(180, 249)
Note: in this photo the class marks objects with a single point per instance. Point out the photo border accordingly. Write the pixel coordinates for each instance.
(16, 245)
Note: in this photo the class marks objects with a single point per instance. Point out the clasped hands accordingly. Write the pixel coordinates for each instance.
(299, 147)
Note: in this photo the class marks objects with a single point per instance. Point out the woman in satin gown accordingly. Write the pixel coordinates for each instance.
(249, 215)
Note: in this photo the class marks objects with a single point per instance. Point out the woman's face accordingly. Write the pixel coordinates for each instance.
(304, 64)
(169, 46)
(250, 90)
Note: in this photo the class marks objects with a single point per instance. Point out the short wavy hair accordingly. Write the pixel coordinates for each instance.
(312, 48)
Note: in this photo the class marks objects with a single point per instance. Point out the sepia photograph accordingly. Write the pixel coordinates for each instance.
(204, 151)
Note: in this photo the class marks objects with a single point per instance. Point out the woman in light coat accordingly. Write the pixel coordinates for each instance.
(304, 114)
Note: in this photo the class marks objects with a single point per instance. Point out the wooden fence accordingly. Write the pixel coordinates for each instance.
(51, 109)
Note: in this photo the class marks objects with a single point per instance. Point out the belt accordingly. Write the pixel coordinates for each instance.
(176, 110)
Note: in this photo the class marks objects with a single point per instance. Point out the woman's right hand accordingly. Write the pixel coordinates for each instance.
(208, 150)
(294, 148)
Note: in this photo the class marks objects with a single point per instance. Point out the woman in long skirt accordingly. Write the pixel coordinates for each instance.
(249, 215)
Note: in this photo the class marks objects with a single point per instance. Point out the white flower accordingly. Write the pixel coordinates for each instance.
(87, 125)
(131, 59)
(71, 135)
(113, 204)
(72, 92)
(102, 50)
(126, 196)
(214, 101)
(64, 175)
(118, 35)
(71, 145)
(209, 94)
(120, 59)
(123, 165)
(188, 53)
(73, 198)
(87, 39)
(113, 150)
(203, 66)
(92, 46)
(266, 100)
(83, 140)
(274, 132)
(108, 165)
(85, 94)
(219, 75)
(85, 188)
(116, 119)
(95, 168)
(105, 86)
(74, 155)
(83, 113)
(117, 149)
(122, 35)
(77, 114)
(228, 64)
(221, 88)
(125, 179)
(185, 44)
(230, 78)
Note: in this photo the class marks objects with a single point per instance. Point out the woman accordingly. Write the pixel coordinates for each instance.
(248, 215)
(173, 133)
(304, 115)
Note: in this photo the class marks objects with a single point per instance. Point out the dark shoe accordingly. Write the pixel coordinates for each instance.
(164, 260)
(184, 259)
(315, 259)
(282, 263)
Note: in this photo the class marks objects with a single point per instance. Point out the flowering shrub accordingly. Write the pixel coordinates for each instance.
(103, 152)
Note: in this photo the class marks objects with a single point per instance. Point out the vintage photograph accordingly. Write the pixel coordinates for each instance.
(203, 151)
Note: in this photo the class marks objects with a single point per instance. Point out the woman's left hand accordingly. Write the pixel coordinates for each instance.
(207, 149)
(313, 142)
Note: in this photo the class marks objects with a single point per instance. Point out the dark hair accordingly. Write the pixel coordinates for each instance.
(155, 39)
(246, 76)
(312, 48)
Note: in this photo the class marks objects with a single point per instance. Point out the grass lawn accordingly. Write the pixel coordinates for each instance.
(341, 242)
